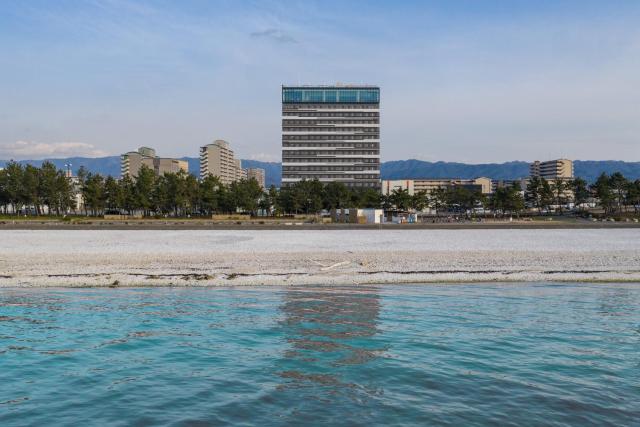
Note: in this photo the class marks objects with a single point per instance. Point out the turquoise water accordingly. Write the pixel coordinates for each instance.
(480, 354)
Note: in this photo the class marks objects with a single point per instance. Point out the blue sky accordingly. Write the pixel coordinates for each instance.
(471, 81)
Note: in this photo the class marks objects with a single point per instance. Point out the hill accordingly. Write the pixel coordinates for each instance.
(103, 165)
(587, 169)
(400, 169)
(397, 169)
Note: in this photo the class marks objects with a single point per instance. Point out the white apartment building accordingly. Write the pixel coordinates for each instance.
(131, 162)
(552, 169)
(217, 159)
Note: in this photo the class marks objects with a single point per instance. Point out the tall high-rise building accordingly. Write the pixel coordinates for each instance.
(257, 174)
(553, 169)
(217, 159)
(131, 162)
(331, 133)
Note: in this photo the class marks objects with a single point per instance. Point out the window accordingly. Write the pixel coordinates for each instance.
(332, 96)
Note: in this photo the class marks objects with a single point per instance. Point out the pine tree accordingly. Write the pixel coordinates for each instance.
(603, 192)
(580, 191)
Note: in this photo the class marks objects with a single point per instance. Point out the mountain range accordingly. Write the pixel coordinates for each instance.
(396, 169)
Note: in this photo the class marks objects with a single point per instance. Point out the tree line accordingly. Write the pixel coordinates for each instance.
(46, 190)
(458, 200)
(613, 193)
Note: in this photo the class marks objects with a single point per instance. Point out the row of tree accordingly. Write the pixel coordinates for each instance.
(44, 190)
(47, 190)
(613, 193)
(175, 194)
(458, 199)
(616, 193)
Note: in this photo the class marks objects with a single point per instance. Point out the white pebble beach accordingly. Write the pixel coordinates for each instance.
(43, 258)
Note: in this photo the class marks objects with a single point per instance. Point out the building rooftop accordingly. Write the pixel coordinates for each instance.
(335, 86)
(330, 94)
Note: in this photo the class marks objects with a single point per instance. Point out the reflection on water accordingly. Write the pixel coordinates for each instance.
(332, 348)
(480, 354)
(326, 329)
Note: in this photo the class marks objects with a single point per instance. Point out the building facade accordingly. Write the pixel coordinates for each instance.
(257, 174)
(217, 159)
(331, 133)
(391, 185)
(427, 185)
(552, 169)
(508, 183)
(240, 173)
(131, 162)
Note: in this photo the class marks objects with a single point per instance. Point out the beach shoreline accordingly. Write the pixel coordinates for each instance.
(194, 224)
(116, 258)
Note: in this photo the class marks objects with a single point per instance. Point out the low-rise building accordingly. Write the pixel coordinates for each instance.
(505, 183)
(390, 185)
(358, 216)
(427, 185)
(131, 162)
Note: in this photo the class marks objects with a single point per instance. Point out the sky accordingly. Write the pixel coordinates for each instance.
(467, 81)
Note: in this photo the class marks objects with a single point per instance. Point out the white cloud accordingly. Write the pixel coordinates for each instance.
(31, 150)
(275, 35)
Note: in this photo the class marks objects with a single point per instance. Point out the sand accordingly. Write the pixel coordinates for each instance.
(39, 258)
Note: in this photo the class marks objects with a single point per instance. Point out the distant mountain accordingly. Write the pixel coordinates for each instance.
(591, 169)
(398, 169)
(103, 165)
(407, 169)
(587, 169)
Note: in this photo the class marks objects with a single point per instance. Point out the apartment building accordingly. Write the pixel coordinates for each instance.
(552, 169)
(131, 162)
(427, 185)
(257, 174)
(331, 133)
(240, 173)
(217, 159)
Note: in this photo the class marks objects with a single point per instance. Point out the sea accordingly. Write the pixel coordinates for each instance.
(494, 354)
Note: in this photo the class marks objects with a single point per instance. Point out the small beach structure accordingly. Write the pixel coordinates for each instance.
(358, 216)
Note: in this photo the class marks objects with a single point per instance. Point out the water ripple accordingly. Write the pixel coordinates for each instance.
(494, 354)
